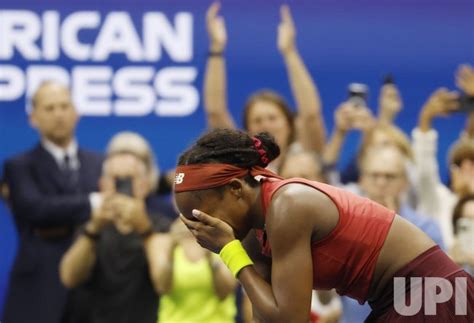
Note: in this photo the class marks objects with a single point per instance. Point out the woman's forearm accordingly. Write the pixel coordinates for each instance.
(333, 148)
(261, 295)
(76, 265)
(311, 129)
(224, 283)
(159, 252)
(215, 94)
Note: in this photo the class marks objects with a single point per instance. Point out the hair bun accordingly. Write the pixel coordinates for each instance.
(269, 149)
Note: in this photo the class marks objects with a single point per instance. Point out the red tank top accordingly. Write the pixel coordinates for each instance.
(345, 259)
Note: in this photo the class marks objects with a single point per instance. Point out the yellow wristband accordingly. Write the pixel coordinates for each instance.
(235, 257)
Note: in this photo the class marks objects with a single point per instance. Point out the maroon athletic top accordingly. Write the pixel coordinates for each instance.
(345, 259)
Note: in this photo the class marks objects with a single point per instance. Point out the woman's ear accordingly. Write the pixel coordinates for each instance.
(236, 187)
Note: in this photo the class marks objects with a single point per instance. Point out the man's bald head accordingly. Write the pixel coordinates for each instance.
(53, 113)
(45, 89)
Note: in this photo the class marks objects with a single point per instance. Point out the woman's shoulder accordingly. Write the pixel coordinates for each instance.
(300, 204)
(299, 193)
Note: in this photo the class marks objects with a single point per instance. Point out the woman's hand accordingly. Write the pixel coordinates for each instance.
(286, 31)
(362, 119)
(343, 117)
(211, 233)
(102, 216)
(440, 103)
(390, 103)
(216, 29)
(131, 212)
(465, 79)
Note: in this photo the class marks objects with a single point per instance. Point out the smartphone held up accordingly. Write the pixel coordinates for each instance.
(124, 185)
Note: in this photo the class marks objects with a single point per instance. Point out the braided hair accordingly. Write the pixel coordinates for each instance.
(233, 147)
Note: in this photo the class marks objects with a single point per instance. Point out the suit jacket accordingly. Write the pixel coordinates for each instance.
(41, 198)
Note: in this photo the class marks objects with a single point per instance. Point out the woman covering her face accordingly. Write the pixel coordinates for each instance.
(298, 235)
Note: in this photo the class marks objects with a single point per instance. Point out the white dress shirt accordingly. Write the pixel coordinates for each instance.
(59, 153)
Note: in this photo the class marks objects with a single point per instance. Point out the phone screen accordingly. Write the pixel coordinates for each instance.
(123, 185)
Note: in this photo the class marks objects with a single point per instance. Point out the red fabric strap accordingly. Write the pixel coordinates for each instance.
(206, 176)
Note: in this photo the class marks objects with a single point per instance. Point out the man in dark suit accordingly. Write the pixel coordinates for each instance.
(51, 191)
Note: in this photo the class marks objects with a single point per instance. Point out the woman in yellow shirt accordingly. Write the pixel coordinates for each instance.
(195, 286)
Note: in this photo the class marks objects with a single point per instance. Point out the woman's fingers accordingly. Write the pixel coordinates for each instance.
(191, 225)
(212, 11)
(211, 233)
(286, 15)
(205, 218)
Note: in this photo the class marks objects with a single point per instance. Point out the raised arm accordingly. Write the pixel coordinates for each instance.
(342, 124)
(346, 117)
(390, 104)
(425, 145)
(310, 128)
(215, 83)
(428, 186)
(440, 103)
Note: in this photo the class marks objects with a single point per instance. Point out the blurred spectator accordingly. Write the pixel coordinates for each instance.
(132, 143)
(266, 110)
(195, 285)
(434, 198)
(384, 179)
(375, 131)
(348, 117)
(390, 103)
(112, 262)
(462, 250)
(50, 191)
(303, 164)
